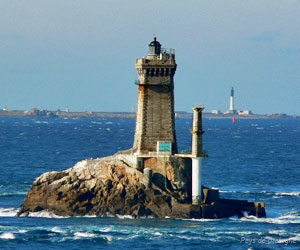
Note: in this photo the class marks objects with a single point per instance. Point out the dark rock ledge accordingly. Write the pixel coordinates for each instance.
(112, 186)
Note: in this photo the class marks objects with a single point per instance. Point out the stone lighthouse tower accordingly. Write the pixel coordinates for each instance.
(155, 120)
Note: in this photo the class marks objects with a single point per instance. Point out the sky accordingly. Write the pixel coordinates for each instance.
(81, 54)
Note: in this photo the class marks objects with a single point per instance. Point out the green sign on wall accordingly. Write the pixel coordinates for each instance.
(164, 146)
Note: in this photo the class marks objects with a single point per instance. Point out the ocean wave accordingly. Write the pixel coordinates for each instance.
(288, 194)
(202, 219)
(125, 216)
(41, 122)
(285, 219)
(234, 191)
(58, 230)
(12, 193)
(7, 236)
(84, 235)
(227, 191)
(22, 231)
(278, 232)
(46, 214)
(8, 212)
(109, 238)
(274, 194)
(290, 240)
(88, 236)
(106, 229)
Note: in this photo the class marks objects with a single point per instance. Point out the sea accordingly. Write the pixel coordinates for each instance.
(255, 160)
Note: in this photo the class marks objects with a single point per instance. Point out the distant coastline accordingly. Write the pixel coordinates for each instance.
(131, 115)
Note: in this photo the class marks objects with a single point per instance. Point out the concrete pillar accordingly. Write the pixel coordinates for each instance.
(196, 180)
(197, 154)
(197, 132)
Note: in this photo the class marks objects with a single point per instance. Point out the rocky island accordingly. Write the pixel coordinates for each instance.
(151, 179)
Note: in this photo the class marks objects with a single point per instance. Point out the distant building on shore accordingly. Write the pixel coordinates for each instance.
(245, 112)
(216, 112)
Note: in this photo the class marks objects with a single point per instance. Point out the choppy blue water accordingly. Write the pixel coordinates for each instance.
(252, 159)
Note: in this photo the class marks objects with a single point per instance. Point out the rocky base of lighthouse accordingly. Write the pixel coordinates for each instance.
(113, 186)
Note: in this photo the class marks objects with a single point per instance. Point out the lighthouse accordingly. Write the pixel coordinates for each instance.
(231, 105)
(155, 146)
(155, 120)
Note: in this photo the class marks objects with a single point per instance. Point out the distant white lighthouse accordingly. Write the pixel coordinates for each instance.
(231, 105)
(231, 109)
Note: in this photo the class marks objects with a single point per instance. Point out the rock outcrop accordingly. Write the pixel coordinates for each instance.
(114, 186)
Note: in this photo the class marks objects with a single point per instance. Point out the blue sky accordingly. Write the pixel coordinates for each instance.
(81, 54)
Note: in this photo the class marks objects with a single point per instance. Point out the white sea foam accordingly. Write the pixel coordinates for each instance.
(291, 240)
(83, 235)
(125, 216)
(263, 191)
(108, 123)
(193, 219)
(46, 214)
(288, 193)
(88, 216)
(12, 193)
(239, 232)
(278, 232)
(109, 238)
(58, 230)
(41, 122)
(8, 212)
(7, 236)
(22, 231)
(185, 237)
(286, 219)
(106, 229)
